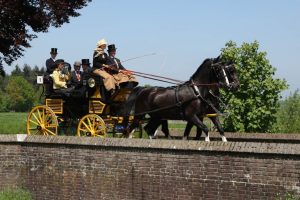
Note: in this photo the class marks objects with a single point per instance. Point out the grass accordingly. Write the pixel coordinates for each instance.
(13, 123)
(15, 194)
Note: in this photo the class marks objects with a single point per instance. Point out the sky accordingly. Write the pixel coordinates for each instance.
(180, 33)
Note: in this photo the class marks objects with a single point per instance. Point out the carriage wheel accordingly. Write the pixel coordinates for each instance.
(41, 121)
(91, 125)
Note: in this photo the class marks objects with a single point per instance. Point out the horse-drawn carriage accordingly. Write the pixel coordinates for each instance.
(88, 109)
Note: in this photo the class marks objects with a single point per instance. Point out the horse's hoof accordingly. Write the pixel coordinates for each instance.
(184, 138)
(224, 139)
(207, 139)
(152, 137)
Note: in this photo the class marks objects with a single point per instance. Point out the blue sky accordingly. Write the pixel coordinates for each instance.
(180, 33)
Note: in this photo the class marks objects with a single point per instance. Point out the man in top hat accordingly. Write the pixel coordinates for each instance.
(50, 63)
(76, 74)
(86, 65)
(123, 77)
(100, 66)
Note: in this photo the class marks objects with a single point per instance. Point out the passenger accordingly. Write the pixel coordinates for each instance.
(76, 74)
(123, 77)
(86, 68)
(100, 64)
(50, 63)
(60, 77)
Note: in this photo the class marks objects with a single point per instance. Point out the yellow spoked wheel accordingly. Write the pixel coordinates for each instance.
(41, 121)
(91, 125)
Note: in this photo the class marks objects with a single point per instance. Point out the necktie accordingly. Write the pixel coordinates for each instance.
(78, 76)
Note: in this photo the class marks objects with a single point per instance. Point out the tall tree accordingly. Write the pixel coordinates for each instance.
(288, 116)
(2, 72)
(17, 71)
(253, 107)
(20, 94)
(20, 19)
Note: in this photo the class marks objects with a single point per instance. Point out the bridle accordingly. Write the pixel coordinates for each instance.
(221, 71)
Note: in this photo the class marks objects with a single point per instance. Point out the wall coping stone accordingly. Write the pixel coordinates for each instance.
(201, 146)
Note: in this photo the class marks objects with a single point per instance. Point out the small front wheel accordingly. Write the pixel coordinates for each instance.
(91, 125)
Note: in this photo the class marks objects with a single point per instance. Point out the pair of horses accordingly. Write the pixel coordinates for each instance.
(188, 101)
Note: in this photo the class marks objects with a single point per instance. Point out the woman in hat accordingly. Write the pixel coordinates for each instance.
(60, 78)
(100, 64)
(123, 77)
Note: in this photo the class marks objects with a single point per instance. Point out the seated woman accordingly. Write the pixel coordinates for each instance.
(100, 64)
(60, 77)
(124, 78)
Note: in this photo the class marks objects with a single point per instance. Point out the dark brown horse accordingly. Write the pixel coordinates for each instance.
(186, 101)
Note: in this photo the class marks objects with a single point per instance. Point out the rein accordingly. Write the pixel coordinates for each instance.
(158, 78)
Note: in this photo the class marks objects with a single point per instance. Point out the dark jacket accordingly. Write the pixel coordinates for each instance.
(99, 61)
(74, 80)
(50, 65)
(115, 63)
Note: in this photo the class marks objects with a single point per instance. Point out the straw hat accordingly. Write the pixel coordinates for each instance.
(101, 42)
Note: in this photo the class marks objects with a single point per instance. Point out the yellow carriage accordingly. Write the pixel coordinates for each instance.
(86, 109)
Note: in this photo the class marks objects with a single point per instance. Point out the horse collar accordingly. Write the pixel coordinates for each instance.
(195, 88)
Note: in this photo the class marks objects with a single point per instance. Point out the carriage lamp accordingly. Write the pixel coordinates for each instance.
(91, 82)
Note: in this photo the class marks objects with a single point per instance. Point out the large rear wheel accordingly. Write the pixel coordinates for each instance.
(41, 121)
(91, 125)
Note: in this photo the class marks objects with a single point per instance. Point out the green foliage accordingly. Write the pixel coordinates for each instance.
(288, 115)
(13, 123)
(20, 94)
(254, 105)
(29, 74)
(17, 71)
(4, 101)
(15, 194)
(20, 20)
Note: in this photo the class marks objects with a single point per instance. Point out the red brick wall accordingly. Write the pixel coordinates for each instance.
(93, 168)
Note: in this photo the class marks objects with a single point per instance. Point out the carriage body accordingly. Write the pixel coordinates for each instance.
(86, 111)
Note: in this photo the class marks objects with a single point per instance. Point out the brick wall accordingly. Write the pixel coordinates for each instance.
(93, 168)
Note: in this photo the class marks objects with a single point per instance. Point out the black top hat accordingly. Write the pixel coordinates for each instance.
(111, 47)
(85, 61)
(53, 51)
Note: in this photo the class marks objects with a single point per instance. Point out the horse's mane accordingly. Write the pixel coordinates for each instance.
(201, 66)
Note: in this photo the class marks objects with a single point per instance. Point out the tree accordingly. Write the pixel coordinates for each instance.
(3, 102)
(20, 93)
(2, 72)
(288, 116)
(254, 105)
(20, 19)
(17, 71)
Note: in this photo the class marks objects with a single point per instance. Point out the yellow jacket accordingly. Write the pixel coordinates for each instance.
(59, 79)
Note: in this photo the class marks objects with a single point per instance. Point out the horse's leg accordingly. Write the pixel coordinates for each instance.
(129, 129)
(195, 120)
(151, 128)
(217, 123)
(199, 130)
(187, 130)
(165, 128)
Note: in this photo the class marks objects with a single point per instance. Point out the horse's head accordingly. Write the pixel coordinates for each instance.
(226, 73)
